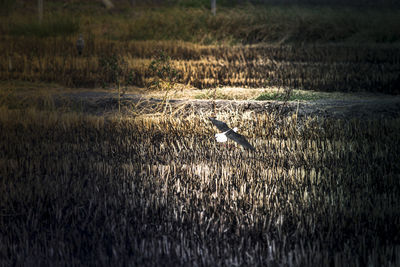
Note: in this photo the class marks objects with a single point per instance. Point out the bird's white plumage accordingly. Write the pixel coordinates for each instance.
(228, 133)
(221, 137)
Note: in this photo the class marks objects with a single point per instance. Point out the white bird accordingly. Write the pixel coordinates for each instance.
(80, 44)
(230, 133)
(221, 137)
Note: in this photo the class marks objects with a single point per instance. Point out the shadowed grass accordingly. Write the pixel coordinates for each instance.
(7, 7)
(50, 27)
(242, 24)
(254, 24)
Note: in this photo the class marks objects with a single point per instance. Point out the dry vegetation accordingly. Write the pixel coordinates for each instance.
(308, 67)
(310, 48)
(145, 190)
(151, 189)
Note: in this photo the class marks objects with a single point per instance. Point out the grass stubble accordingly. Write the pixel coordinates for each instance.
(78, 189)
(339, 68)
(145, 190)
(308, 48)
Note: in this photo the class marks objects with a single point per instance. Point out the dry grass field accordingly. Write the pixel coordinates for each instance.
(308, 48)
(150, 186)
(142, 190)
(341, 68)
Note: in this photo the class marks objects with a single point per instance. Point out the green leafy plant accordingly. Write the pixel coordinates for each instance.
(115, 71)
(164, 76)
(111, 67)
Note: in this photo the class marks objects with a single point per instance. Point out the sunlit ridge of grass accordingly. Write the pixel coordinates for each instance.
(295, 95)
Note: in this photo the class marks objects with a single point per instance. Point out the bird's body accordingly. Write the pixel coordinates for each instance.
(230, 133)
(221, 137)
(80, 44)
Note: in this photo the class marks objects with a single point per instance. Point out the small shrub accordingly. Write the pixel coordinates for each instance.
(164, 75)
(115, 71)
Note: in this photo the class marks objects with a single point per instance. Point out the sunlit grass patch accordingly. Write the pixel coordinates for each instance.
(215, 94)
(319, 68)
(226, 93)
(295, 95)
